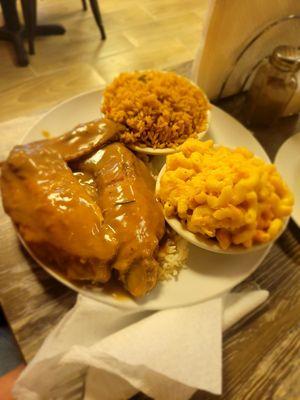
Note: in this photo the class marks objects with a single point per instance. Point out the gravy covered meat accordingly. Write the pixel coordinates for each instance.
(129, 207)
(87, 212)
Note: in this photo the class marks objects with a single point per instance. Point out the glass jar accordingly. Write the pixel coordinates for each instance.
(273, 86)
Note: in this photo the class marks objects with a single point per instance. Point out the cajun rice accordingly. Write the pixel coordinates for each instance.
(159, 109)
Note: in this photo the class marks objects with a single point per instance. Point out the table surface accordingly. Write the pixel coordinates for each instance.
(261, 355)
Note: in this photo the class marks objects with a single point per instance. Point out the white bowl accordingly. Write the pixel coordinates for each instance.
(165, 151)
(207, 243)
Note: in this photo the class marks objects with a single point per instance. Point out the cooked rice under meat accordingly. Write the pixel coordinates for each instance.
(172, 256)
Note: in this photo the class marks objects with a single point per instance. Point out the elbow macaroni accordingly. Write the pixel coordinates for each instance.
(230, 195)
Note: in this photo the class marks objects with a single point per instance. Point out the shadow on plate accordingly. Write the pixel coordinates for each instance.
(201, 261)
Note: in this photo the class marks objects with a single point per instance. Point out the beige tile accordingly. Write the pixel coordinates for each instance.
(53, 54)
(141, 34)
(126, 18)
(115, 19)
(166, 8)
(173, 27)
(60, 11)
(82, 24)
(10, 74)
(116, 5)
(191, 40)
(65, 8)
(202, 11)
(46, 90)
(155, 55)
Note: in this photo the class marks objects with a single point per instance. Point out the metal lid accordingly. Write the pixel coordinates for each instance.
(286, 58)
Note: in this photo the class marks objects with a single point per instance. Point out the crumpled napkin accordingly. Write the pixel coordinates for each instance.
(101, 352)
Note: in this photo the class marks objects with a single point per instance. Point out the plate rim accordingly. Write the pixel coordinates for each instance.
(285, 144)
(130, 304)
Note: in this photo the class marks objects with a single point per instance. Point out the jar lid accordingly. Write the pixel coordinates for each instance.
(286, 58)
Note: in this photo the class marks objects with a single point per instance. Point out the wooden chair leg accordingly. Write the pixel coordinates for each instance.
(29, 13)
(12, 32)
(22, 57)
(84, 6)
(98, 18)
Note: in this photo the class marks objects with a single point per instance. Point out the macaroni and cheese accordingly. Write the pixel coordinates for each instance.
(226, 194)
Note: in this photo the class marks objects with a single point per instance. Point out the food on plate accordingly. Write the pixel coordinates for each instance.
(55, 216)
(89, 213)
(226, 194)
(85, 138)
(159, 109)
(126, 199)
(172, 256)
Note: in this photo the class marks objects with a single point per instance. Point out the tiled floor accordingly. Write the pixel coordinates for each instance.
(140, 34)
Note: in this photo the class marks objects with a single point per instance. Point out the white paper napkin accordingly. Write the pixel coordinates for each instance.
(166, 354)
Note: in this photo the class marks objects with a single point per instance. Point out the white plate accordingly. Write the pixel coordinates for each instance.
(208, 274)
(287, 161)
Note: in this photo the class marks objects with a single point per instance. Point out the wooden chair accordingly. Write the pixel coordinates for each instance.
(29, 8)
(97, 15)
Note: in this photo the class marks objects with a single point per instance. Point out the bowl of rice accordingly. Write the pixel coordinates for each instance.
(159, 109)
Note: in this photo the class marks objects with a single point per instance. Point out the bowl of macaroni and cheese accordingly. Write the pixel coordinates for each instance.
(221, 199)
